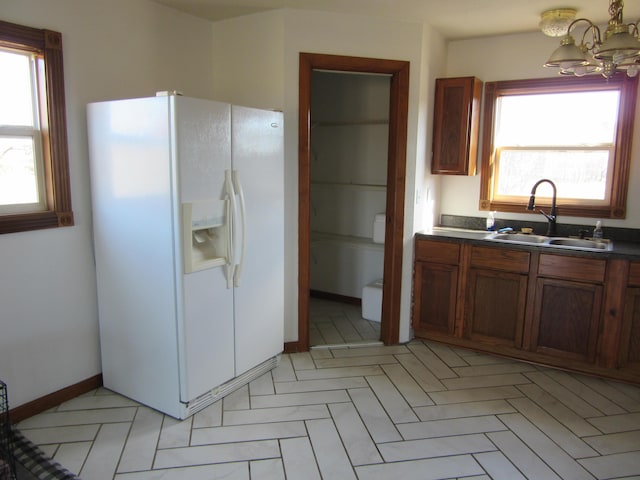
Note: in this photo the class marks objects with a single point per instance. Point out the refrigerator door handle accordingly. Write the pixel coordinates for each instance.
(238, 187)
(231, 194)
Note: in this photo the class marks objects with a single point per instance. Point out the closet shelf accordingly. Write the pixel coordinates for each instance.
(344, 123)
(367, 186)
(322, 237)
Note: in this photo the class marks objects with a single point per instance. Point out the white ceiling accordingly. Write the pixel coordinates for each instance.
(455, 19)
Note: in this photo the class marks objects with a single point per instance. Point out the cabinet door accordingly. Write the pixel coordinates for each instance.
(629, 355)
(566, 318)
(435, 290)
(495, 308)
(455, 125)
(630, 339)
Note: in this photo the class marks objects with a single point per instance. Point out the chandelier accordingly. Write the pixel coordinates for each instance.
(618, 49)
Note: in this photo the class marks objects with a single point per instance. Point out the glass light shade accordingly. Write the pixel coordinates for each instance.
(631, 66)
(581, 70)
(555, 23)
(567, 55)
(619, 44)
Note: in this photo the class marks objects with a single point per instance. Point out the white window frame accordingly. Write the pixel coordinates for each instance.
(35, 134)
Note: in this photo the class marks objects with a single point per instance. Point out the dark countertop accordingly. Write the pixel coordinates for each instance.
(624, 250)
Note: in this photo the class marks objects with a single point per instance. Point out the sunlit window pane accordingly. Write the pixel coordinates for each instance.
(18, 180)
(578, 174)
(582, 118)
(16, 89)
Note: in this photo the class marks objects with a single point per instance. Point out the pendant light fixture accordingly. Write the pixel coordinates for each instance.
(618, 49)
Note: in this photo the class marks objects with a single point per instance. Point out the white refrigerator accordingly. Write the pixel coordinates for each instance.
(188, 216)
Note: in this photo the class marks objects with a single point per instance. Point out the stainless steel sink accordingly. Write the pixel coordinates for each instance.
(580, 243)
(559, 242)
(518, 237)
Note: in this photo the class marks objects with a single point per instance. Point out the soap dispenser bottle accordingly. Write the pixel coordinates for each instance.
(597, 232)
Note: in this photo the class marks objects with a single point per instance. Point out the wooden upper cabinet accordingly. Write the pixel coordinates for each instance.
(455, 125)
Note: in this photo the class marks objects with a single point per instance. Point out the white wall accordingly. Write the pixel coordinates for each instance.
(248, 60)
(316, 32)
(115, 49)
(513, 57)
(427, 213)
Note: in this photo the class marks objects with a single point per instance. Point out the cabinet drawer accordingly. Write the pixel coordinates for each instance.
(572, 268)
(634, 274)
(438, 252)
(501, 259)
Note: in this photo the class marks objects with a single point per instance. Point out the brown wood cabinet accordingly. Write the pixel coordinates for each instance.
(568, 306)
(561, 309)
(435, 287)
(455, 125)
(496, 296)
(629, 358)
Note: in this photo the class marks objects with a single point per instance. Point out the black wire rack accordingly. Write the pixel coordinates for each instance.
(7, 461)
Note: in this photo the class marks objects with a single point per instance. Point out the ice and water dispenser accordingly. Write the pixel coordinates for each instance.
(206, 235)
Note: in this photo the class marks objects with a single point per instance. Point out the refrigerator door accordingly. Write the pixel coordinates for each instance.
(205, 335)
(133, 204)
(258, 164)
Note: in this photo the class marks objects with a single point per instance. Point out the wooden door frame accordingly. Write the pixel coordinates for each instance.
(396, 168)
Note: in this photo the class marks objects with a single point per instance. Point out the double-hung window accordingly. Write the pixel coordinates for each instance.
(34, 178)
(575, 132)
(21, 168)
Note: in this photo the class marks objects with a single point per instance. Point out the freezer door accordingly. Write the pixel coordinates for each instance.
(258, 165)
(133, 203)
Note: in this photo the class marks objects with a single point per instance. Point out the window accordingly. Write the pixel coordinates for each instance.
(575, 132)
(21, 168)
(34, 172)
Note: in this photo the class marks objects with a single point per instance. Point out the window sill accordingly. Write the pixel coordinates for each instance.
(35, 221)
(593, 211)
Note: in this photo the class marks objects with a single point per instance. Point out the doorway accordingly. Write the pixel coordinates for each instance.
(396, 166)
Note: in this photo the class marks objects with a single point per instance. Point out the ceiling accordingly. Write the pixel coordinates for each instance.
(454, 19)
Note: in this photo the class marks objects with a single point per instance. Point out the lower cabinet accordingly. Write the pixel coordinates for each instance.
(568, 306)
(566, 319)
(435, 287)
(435, 291)
(565, 310)
(629, 354)
(496, 296)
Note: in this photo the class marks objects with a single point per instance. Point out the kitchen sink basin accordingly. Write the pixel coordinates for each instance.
(579, 243)
(518, 237)
(560, 242)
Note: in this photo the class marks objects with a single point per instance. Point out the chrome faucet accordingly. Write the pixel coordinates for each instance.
(552, 216)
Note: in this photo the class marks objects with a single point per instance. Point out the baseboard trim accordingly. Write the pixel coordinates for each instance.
(292, 347)
(335, 297)
(56, 398)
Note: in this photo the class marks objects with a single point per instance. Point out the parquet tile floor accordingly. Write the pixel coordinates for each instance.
(415, 411)
(335, 323)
